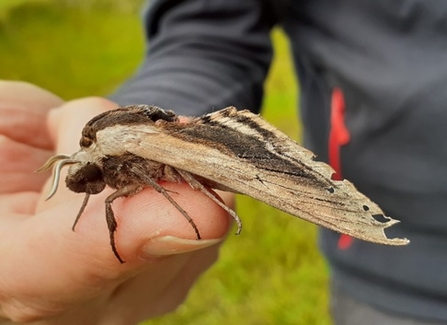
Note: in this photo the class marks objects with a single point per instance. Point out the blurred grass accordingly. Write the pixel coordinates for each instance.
(272, 273)
(71, 51)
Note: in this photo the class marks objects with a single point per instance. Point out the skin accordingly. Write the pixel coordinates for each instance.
(51, 275)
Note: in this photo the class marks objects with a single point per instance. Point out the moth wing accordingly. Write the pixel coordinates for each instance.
(244, 153)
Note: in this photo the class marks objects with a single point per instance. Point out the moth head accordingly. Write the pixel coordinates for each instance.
(83, 175)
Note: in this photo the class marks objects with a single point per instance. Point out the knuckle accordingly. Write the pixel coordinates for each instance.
(6, 148)
(5, 144)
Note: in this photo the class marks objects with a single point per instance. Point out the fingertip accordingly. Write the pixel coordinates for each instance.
(147, 220)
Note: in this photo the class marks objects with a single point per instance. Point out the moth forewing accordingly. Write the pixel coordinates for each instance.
(309, 193)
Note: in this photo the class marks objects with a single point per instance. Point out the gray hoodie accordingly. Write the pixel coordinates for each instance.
(379, 68)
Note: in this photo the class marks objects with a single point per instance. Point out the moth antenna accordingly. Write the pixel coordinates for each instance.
(50, 162)
(57, 173)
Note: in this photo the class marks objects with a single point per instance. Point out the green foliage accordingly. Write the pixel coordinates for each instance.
(272, 273)
(70, 51)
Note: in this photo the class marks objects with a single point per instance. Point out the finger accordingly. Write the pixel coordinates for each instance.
(18, 162)
(67, 122)
(23, 108)
(149, 226)
(21, 203)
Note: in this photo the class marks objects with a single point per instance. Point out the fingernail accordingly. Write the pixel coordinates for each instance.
(169, 245)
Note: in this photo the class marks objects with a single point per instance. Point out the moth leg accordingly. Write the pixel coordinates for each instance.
(162, 190)
(110, 216)
(195, 184)
(81, 210)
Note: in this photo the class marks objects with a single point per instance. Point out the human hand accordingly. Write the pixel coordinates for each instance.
(51, 275)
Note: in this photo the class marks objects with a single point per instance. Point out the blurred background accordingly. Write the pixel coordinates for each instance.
(272, 273)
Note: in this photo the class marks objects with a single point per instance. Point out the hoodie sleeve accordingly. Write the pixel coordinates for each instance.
(202, 55)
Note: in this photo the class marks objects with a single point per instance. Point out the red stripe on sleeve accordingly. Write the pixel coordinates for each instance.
(338, 136)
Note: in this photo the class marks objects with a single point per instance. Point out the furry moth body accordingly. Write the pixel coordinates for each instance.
(134, 147)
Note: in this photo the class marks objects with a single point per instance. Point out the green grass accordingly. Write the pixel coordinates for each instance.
(70, 51)
(272, 273)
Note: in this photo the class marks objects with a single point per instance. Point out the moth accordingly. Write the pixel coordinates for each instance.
(137, 146)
